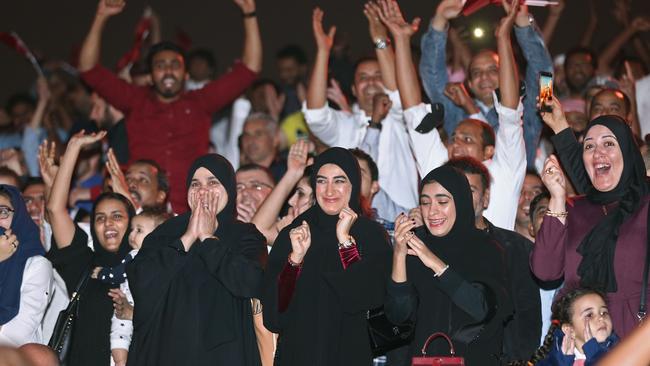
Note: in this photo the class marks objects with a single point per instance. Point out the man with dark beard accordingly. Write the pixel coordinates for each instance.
(163, 122)
(147, 183)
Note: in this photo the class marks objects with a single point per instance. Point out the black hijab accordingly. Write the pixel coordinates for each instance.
(598, 247)
(12, 269)
(349, 164)
(103, 257)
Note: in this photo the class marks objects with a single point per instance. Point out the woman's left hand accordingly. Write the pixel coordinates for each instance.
(207, 219)
(347, 217)
(417, 248)
(8, 245)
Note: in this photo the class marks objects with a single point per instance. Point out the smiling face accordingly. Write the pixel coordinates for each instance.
(530, 189)
(367, 83)
(484, 76)
(438, 209)
(603, 159)
(111, 223)
(168, 74)
(34, 196)
(204, 182)
(590, 310)
(608, 102)
(467, 140)
(333, 189)
(253, 186)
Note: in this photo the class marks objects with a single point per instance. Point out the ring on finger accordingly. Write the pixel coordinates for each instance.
(13, 244)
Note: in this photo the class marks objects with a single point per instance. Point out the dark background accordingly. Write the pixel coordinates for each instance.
(55, 28)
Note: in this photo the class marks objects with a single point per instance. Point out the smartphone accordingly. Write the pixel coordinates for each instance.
(545, 89)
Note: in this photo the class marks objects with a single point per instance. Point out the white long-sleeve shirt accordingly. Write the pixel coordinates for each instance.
(397, 169)
(507, 167)
(35, 295)
(225, 134)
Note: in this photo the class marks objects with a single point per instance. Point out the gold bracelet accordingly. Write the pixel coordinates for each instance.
(292, 263)
(558, 214)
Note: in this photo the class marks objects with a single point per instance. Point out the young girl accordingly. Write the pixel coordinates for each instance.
(122, 327)
(580, 333)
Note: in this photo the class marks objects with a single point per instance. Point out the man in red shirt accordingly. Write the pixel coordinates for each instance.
(163, 122)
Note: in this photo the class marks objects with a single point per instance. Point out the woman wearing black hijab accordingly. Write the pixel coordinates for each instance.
(193, 279)
(447, 275)
(599, 240)
(326, 269)
(109, 228)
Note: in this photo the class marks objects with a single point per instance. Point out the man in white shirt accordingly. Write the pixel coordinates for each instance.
(503, 155)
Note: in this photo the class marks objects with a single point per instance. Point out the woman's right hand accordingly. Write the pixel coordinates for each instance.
(297, 158)
(47, 163)
(300, 242)
(553, 178)
(8, 245)
(403, 227)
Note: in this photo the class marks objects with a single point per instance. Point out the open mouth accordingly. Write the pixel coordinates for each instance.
(168, 82)
(437, 222)
(602, 168)
(110, 234)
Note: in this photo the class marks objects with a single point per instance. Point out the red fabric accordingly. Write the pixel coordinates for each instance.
(349, 255)
(12, 40)
(286, 285)
(95, 192)
(579, 363)
(173, 134)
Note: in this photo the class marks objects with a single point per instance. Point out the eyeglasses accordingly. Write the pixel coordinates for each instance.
(254, 185)
(5, 212)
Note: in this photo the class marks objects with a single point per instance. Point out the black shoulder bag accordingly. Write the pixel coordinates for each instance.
(62, 335)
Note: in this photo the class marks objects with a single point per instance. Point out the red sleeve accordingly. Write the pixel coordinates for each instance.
(116, 91)
(222, 91)
(349, 255)
(95, 192)
(286, 285)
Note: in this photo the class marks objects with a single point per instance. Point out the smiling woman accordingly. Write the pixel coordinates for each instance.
(600, 239)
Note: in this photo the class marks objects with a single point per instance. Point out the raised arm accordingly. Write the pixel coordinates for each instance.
(316, 93)
(57, 209)
(591, 26)
(508, 73)
(90, 49)
(640, 24)
(407, 80)
(385, 55)
(252, 56)
(265, 218)
(554, 14)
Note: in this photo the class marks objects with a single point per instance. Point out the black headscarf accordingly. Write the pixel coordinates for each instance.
(12, 269)
(102, 257)
(598, 247)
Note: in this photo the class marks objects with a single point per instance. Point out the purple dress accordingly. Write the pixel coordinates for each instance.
(555, 255)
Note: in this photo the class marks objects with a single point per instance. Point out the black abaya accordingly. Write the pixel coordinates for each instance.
(194, 308)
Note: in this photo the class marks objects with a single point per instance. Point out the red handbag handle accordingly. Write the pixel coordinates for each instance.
(436, 335)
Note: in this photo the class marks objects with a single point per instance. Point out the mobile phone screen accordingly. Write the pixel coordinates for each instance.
(545, 86)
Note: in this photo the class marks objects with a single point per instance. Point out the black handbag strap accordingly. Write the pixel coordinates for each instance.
(644, 287)
(81, 285)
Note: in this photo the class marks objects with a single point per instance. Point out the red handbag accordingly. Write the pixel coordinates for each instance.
(425, 360)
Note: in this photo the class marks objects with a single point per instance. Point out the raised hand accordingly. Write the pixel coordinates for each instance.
(417, 248)
(118, 180)
(505, 25)
(246, 6)
(555, 119)
(207, 220)
(587, 331)
(82, 139)
(376, 28)
(300, 237)
(447, 10)
(297, 158)
(568, 342)
(108, 8)
(457, 93)
(274, 101)
(46, 162)
(416, 215)
(403, 232)
(335, 94)
(347, 217)
(641, 24)
(43, 90)
(324, 41)
(381, 105)
(553, 178)
(392, 17)
(245, 210)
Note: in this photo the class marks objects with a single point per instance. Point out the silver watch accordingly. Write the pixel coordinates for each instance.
(347, 244)
(381, 44)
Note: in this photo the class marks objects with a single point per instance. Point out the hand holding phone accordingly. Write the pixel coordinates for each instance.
(545, 90)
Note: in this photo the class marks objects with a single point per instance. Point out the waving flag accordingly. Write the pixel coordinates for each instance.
(12, 40)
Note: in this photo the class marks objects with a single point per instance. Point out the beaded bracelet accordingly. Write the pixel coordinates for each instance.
(558, 214)
(292, 263)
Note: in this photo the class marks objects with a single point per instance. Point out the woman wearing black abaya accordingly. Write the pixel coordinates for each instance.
(447, 275)
(193, 279)
(109, 227)
(326, 269)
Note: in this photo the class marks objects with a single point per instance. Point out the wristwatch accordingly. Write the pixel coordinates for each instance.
(372, 124)
(381, 43)
(348, 243)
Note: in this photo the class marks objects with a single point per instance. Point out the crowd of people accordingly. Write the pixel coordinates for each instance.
(234, 220)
